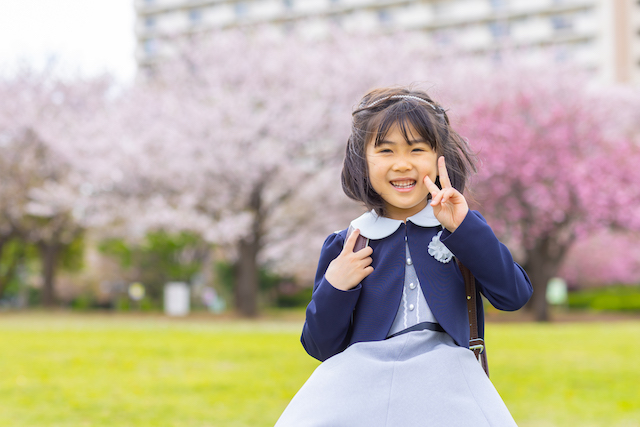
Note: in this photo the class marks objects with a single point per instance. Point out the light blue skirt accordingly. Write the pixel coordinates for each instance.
(419, 378)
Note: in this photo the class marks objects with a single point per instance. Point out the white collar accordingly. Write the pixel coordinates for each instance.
(376, 227)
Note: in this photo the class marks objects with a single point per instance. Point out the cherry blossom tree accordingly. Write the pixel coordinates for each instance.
(43, 199)
(240, 139)
(243, 138)
(604, 258)
(559, 161)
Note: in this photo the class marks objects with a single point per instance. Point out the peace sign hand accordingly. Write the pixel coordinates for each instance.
(449, 205)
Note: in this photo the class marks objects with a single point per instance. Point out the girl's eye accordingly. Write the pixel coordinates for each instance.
(386, 150)
(422, 149)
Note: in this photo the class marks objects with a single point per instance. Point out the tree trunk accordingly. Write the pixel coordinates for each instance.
(539, 279)
(542, 265)
(247, 278)
(49, 255)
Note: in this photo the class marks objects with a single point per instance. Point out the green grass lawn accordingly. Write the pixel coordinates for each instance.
(63, 369)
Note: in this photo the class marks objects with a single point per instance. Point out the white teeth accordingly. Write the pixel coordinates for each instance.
(404, 184)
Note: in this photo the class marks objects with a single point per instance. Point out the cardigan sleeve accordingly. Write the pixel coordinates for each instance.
(502, 281)
(328, 317)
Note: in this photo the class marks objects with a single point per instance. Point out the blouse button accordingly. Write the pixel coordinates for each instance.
(412, 286)
(409, 262)
(411, 307)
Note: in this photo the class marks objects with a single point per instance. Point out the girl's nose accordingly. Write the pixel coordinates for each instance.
(402, 164)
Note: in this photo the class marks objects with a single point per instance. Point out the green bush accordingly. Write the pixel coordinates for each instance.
(298, 299)
(226, 276)
(160, 258)
(19, 260)
(268, 286)
(82, 302)
(612, 298)
(147, 304)
(123, 304)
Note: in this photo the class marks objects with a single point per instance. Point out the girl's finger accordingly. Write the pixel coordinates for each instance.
(435, 200)
(442, 171)
(365, 252)
(431, 186)
(447, 194)
(367, 262)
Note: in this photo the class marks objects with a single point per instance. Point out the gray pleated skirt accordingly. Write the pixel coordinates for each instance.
(419, 378)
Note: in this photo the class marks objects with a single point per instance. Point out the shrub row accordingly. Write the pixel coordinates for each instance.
(612, 298)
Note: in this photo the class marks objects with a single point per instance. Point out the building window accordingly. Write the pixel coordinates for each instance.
(150, 47)
(195, 16)
(385, 17)
(150, 21)
(288, 4)
(561, 22)
(499, 29)
(241, 9)
(498, 4)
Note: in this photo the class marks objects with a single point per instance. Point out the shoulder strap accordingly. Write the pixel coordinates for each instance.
(476, 343)
(361, 242)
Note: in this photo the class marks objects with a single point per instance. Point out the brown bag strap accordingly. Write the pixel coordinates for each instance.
(476, 343)
(361, 241)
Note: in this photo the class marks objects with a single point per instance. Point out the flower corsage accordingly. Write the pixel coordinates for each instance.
(438, 250)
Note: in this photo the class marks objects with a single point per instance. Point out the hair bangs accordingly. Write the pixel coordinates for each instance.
(412, 120)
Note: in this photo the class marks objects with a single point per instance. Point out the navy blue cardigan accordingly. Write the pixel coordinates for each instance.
(336, 319)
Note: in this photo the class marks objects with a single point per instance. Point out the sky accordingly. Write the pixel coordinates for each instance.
(87, 37)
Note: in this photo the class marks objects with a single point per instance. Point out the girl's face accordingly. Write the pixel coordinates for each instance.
(397, 170)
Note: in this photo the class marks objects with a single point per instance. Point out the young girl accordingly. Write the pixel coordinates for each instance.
(390, 321)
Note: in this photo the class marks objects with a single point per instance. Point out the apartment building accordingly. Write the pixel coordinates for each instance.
(603, 35)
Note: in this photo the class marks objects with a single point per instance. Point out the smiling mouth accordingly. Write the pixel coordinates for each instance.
(404, 184)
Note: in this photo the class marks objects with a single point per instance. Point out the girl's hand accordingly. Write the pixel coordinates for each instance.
(349, 268)
(449, 205)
